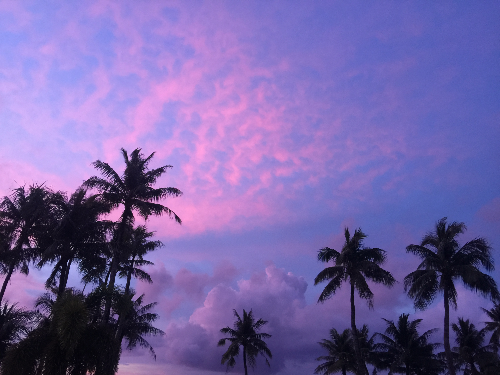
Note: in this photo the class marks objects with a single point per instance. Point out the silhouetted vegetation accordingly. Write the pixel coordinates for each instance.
(75, 333)
(245, 334)
(72, 332)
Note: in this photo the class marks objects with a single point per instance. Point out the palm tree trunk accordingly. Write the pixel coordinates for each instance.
(447, 348)
(360, 368)
(129, 276)
(63, 280)
(114, 262)
(245, 360)
(112, 277)
(6, 281)
(344, 371)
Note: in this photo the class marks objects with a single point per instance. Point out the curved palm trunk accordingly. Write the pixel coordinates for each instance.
(447, 348)
(6, 281)
(245, 359)
(360, 368)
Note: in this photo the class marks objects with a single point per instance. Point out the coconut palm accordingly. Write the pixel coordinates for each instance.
(24, 218)
(79, 237)
(443, 263)
(64, 342)
(137, 322)
(138, 246)
(404, 351)
(494, 325)
(246, 335)
(354, 264)
(15, 324)
(471, 354)
(135, 192)
(341, 356)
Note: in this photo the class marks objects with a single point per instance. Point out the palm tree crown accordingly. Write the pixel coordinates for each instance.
(245, 334)
(470, 354)
(341, 357)
(355, 264)
(404, 351)
(494, 324)
(444, 262)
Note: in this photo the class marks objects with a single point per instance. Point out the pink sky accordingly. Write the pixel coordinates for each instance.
(284, 122)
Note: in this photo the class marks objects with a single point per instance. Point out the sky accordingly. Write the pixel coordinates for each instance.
(284, 122)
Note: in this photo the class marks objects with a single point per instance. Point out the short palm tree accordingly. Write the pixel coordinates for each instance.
(471, 354)
(246, 335)
(15, 324)
(138, 245)
(341, 356)
(443, 263)
(403, 350)
(354, 264)
(493, 325)
(135, 192)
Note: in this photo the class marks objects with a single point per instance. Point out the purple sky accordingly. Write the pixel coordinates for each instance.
(285, 122)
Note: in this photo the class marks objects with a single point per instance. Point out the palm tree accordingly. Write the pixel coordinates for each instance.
(444, 262)
(134, 190)
(404, 351)
(355, 264)
(470, 354)
(24, 217)
(15, 324)
(139, 245)
(64, 342)
(79, 236)
(245, 334)
(137, 320)
(341, 356)
(494, 324)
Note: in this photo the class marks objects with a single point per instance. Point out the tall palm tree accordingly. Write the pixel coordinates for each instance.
(444, 262)
(404, 351)
(246, 335)
(470, 354)
(24, 217)
(493, 325)
(354, 264)
(135, 192)
(341, 356)
(79, 236)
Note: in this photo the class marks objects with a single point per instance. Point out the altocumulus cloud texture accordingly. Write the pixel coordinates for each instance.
(284, 122)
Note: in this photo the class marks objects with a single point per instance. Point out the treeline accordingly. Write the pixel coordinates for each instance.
(402, 349)
(73, 332)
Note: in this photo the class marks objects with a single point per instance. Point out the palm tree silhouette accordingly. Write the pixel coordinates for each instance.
(79, 236)
(246, 335)
(354, 264)
(470, 354)
(404, 351)
(134, 190)
(341, 356)
(15, 324)
(23, 220)
(138, 245)
(444, 262)
(494, 325)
